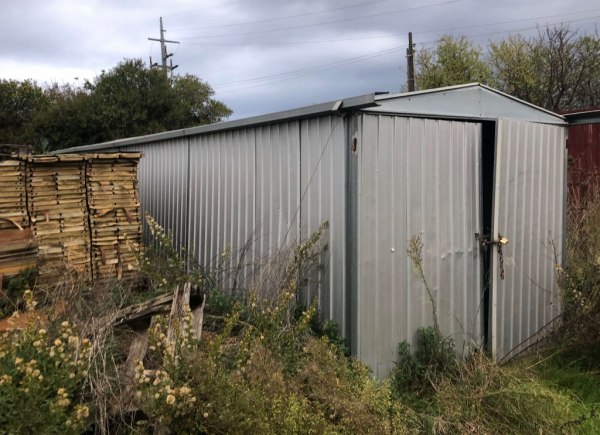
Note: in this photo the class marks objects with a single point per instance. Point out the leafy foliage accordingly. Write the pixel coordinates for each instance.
(20, 102)
(453, 61)
(433, 359)
(557, 69)
(128, 100)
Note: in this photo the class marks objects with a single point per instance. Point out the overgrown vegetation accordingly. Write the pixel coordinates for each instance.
(266, 364)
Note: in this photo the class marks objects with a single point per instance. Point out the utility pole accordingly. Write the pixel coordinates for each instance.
(410, 66)
(163, 51)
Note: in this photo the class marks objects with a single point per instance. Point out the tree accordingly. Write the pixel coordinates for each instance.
(19, 103)
(67, 120)
(128, 100)
(555, 69)
(453, 61)
(195, 105)
(513, 71)
(132, 100)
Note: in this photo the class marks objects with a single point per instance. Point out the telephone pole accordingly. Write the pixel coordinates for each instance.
(163, 51)
(410, 66)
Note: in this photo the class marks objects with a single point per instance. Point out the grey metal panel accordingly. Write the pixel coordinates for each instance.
(163, 184)
(529, 210)
(222, 199)
(421, 178)
(277, 186)
(244, 196)
(323, 183)
(472, 101)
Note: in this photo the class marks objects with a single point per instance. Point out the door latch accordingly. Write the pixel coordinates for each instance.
(486, 240)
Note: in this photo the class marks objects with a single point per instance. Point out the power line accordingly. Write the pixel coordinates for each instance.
(287, 17)
(389, 35)
(300, 73)
(208, 8)
(345, 20)
(294, 73)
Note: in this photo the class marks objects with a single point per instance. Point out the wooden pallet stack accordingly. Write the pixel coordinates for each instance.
(13, 196)
(115, 220)
(56, 196)
(18, 250)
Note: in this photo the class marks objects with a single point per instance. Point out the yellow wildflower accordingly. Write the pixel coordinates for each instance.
(82, 412)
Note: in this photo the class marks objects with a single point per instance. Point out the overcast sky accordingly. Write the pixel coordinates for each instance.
(261, 56)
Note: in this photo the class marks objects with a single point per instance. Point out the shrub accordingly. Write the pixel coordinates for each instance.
(42, 372)
(433, 360)
(580, 279)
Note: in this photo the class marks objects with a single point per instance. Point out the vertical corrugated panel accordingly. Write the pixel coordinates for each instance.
(421, 178)
(222, 198)
(584, 156)
(323, 183)
(244, 196)
(277, 187)
(529, 210)
(163, 184)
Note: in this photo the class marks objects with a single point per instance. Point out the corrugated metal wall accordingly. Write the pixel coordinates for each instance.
(417, 177)
(529, 210)
(241, 191)
(323, 187)
(163, 184)
(584, 156)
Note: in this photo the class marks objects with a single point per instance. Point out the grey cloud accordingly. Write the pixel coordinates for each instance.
(96, 35)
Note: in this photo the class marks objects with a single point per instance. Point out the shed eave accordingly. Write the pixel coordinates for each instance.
(337, 106)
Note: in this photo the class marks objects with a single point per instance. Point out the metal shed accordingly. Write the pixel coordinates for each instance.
(450, 165)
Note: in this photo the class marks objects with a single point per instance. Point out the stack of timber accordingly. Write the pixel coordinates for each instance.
(18, 250)
(115, 220)
(71, 213)
(13, 197)
(56, 196)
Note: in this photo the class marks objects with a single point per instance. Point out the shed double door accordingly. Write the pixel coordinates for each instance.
(529, 211)
(443, 182)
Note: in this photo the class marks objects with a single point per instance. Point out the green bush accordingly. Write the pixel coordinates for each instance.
(416, 373)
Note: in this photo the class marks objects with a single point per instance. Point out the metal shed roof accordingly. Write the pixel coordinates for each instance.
(589, 116)
(469, 101)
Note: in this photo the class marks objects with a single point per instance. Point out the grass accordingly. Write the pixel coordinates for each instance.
(580, 385)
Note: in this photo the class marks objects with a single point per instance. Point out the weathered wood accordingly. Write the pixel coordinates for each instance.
(198, 318)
